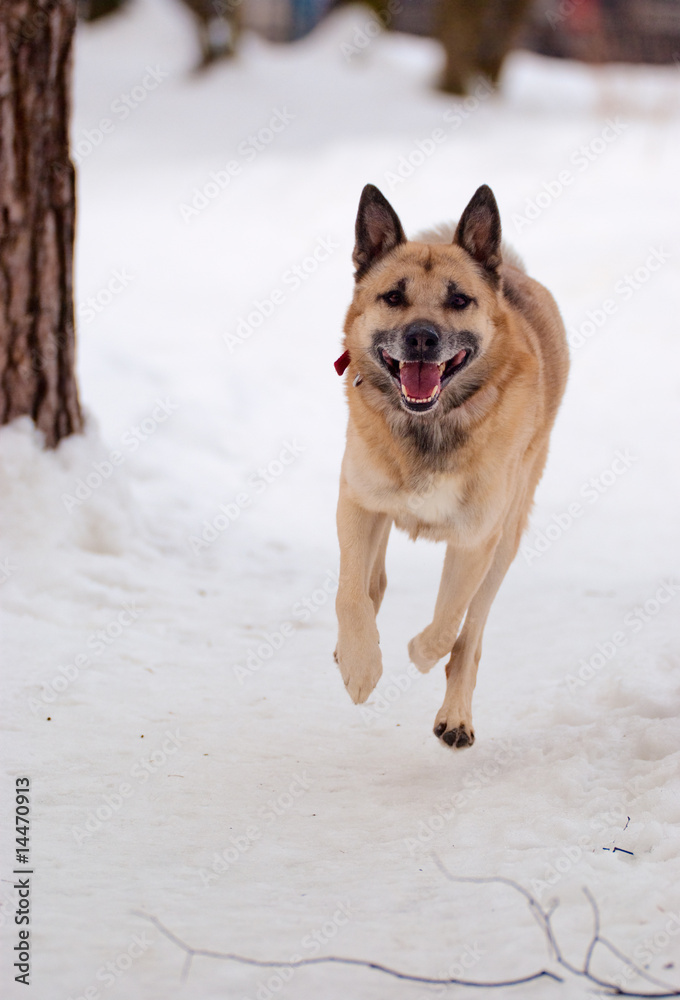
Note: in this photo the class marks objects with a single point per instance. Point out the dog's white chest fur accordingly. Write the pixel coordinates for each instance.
(436, 503)
(433, 509)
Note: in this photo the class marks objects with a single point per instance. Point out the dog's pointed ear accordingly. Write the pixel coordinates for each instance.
(378, 230)
(479, 229)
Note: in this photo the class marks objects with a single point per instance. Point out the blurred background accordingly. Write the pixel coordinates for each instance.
(476, 34)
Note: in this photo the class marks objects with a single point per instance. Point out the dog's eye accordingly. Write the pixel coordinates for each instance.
(394, 298)
(458, 301)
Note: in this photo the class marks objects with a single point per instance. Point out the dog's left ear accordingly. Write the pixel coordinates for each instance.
(479, 229)
(378, 230)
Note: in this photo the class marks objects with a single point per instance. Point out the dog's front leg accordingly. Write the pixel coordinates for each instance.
(357, 654)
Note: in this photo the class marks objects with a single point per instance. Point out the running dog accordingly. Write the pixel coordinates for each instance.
(457, 362)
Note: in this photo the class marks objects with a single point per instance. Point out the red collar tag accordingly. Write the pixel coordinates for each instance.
(342, 363)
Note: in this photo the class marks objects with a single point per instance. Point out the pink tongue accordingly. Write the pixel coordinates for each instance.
(419, 378)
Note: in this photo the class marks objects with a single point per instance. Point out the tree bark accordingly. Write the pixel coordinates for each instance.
(37, 215)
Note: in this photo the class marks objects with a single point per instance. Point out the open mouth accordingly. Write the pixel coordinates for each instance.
(420, 382)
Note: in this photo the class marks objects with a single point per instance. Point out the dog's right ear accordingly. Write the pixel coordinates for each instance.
(378, 230)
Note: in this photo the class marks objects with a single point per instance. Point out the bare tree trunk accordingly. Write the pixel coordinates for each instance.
(37, 214)
(477, 35)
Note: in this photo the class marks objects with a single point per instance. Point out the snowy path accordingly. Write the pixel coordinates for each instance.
(168, 632)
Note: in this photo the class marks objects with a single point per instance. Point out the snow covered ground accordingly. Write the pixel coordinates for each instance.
(168, 577)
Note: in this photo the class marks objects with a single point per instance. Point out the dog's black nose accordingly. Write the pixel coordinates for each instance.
(421, 338)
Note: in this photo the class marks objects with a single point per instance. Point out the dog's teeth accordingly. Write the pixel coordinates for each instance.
(401, 365)
(442, 367)
(414, 399)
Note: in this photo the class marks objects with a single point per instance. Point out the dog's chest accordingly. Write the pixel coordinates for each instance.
(433, 506)
(436, 502)
(434, 509)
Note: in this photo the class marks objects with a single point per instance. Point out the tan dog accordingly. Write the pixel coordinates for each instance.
(457, 364)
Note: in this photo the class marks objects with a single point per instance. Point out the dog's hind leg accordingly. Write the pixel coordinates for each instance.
(463, 572)
(378, 583)
(453, 724)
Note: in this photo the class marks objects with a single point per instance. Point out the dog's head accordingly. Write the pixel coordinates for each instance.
(423, 317)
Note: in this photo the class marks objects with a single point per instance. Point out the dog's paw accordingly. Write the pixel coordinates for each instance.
(362, 675)
(421, 653)
(454, 736)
